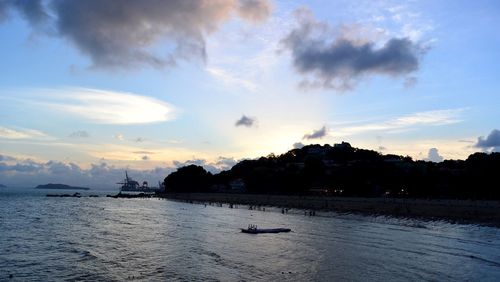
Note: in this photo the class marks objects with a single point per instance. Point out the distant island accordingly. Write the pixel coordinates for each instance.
(60, 187)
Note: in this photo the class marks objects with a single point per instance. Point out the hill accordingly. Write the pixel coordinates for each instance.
(342, 170)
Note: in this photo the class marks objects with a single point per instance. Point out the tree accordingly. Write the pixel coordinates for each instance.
(187, 179)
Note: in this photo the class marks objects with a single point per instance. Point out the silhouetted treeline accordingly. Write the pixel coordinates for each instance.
(342, 170)
(190, 178)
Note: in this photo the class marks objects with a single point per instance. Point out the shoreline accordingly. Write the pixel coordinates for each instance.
(462, 211)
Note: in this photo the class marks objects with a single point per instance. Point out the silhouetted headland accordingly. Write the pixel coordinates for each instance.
(344, 178)
(60, 187)
(345, 171)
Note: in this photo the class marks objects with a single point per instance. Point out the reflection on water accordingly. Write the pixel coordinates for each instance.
(149, 239)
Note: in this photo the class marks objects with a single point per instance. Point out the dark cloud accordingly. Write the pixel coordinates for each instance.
(338, 61)
(245, 121)
(433, 156)
(139, 140)
(32, 10)
(254, 10)
(382, 148)
(491, 142)
(316, 134)
(122, 33)
(3, 10)
(298, 145)
(80, 134)
(145, 158)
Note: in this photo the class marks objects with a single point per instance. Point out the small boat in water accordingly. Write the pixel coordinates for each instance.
(252, 229)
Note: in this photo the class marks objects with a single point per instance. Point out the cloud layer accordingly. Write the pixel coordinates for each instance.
(426, 118)
(123, 33)
(491, 142)
(9, 133)
(29, 173)
(338, 60)
(106, 107)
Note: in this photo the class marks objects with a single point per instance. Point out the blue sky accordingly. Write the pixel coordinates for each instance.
(89, 89)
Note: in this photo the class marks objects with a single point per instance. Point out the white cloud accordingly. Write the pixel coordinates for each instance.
(439, 117)
(433, 156)
(108, 107)
(427, 118)
(245, 56)
(231, 80)
(222, 163)
(404, 19)
(9, 133)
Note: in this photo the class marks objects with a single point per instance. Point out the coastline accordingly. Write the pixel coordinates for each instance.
(464, 211)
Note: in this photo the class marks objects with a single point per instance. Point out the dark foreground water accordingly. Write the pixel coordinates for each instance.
(103, 239)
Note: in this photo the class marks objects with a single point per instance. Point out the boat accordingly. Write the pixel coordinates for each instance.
(252, 229)
(130, 185)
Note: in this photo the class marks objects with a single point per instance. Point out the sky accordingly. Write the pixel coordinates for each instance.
(91, 88)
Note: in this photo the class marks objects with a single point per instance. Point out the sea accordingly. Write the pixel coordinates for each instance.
(106, 239)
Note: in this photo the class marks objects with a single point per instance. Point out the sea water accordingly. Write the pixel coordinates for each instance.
(106, 239)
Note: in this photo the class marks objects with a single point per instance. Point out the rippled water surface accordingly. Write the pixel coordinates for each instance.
(102, 238)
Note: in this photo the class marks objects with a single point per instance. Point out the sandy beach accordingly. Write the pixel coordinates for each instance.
(469, 211)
